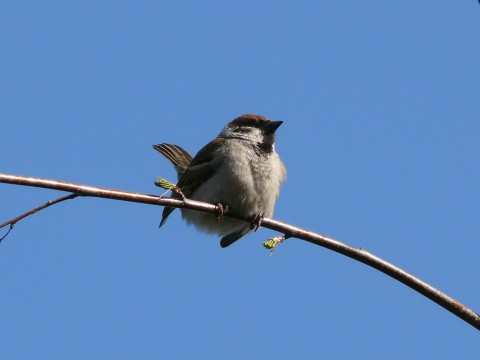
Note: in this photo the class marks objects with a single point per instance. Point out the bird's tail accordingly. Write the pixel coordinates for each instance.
(179, 157)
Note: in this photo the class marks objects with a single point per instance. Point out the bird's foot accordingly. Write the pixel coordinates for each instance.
(256, 221)
(220, 211)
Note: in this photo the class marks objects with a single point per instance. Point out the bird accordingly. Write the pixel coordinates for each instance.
(239, 171)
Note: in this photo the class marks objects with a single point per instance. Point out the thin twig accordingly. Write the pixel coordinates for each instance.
(13, 221)
(8, 232)
(452, 305)
(38, 208)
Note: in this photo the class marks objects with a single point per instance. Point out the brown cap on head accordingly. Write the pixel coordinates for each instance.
(258, 121)
(250, 120)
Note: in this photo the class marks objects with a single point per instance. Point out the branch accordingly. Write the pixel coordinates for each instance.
(360, 255)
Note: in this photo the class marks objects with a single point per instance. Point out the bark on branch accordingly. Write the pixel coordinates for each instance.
(450, 304)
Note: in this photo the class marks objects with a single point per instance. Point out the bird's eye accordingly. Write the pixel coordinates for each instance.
(240, 129)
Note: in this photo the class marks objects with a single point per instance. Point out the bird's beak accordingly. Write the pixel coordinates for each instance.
(272, 126)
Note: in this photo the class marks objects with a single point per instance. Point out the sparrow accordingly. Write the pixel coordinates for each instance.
(239, 170)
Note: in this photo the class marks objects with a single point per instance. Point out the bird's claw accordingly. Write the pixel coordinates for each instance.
(256, 221)
(221, 210)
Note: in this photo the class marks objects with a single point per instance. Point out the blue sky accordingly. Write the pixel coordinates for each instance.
(380, 103)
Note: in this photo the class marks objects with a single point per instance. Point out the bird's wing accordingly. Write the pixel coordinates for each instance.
(199, 171)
